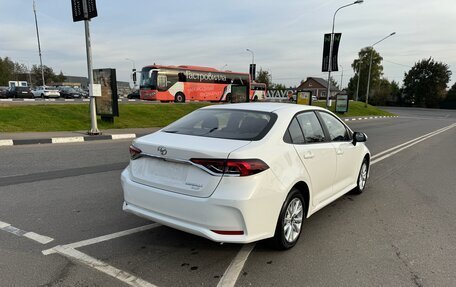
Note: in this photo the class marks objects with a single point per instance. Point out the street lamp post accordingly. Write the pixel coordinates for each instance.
(253, 55)
(252, 67)
(341, 78)
(370, 66)
(359, 76)
(328, 96)
(39, 45)
(134, 71)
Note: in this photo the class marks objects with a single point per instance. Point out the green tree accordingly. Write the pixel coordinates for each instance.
(334, 83)
(6, 71)
(361, 67)
(380, 93)
(278, 86)
(426, 82)
(451, 94)
(49, 75)
(264, 76)
(60, 78)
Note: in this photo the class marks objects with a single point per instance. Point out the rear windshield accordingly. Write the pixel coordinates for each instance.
(22, 88)
(225, 124)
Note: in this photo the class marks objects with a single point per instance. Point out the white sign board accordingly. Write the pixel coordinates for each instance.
(96, 90)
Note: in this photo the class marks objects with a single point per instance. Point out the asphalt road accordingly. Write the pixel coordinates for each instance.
(400, 232)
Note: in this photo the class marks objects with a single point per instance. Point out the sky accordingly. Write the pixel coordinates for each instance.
(286, 36)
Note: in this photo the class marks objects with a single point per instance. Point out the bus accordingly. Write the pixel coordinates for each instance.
(188, 83)
(257, 91)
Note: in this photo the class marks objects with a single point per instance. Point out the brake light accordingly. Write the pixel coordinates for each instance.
(241, 167)
(134, 152)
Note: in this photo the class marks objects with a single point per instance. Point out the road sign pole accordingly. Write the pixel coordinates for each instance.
(93, 117)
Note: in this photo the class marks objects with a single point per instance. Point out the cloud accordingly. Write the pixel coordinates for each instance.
(287, 37)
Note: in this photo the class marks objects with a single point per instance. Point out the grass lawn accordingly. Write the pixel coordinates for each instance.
(73, 117)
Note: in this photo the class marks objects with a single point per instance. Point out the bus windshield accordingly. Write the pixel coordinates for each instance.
(148, 78)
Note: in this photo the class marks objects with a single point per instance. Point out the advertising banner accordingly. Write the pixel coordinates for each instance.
(252, 71)
(341, 103)
(107, 104)
(77, 7)
(239, 94)
(326, 45)
(335, 52)
(304, 98)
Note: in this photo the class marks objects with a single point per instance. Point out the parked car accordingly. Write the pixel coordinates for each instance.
(83, 93)
(19, 92)
(133, 95)
(69, 93)
(45, 92)
(3, 91)
(244, 172)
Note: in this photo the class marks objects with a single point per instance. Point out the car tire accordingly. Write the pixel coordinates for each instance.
(255, 99)
(362, 178)
(179, 98)
(289, 224)
(42, 96)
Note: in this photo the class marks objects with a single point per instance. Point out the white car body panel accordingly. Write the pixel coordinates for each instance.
(251, 203)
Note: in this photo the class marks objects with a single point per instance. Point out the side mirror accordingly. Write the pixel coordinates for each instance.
(359, 137)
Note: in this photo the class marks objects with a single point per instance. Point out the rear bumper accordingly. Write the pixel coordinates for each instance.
(254, 213)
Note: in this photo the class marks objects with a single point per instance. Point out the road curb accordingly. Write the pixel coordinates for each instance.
(62, 140)
(368, 118)
(75, 139)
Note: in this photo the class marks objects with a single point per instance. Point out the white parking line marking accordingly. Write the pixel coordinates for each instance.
(102, 238)
(38, 238)
(411, 141)
(103, 267)
(30, 235)
(6, 142)
(231, 274)
(4, 224)
(67, 139)
(123, 136)
(411, 144)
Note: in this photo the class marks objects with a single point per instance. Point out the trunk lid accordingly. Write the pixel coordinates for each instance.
(165, 162)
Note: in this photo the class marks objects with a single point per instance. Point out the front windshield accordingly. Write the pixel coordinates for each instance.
(148, 78)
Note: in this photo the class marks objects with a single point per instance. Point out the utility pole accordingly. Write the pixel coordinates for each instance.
(359, 76)
(93, 117)
(39, 45)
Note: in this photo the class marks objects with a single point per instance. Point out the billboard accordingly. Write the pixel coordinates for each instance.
(341, 103)
(239, 94)
(107, 104)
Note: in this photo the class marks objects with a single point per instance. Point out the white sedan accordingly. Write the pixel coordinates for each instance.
(244, 172)
(45, 92)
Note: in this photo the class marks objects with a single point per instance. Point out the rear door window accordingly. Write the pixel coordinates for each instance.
(311, 127)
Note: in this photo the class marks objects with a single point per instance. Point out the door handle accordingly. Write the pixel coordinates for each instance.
(339, 151)
(308, 154)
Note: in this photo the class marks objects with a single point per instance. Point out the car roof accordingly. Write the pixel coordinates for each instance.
(265, 107)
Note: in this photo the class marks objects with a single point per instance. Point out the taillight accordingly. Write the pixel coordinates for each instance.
(134, 152)
(240, 167)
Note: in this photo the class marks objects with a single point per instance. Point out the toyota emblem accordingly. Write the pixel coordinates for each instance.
(162, 150)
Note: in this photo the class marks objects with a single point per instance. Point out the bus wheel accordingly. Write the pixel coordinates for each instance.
(228, 98)
(179, 98)
(255, 99)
